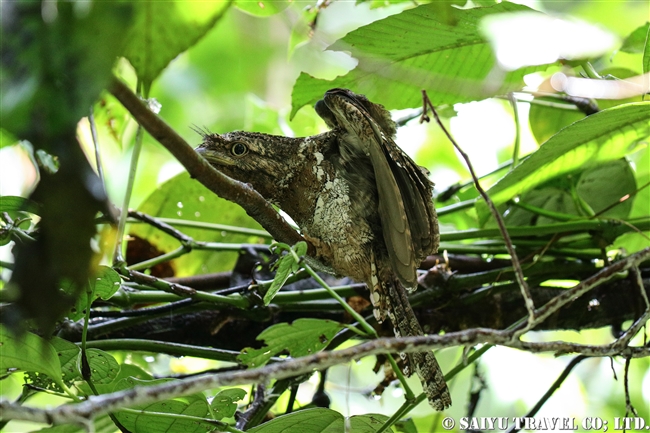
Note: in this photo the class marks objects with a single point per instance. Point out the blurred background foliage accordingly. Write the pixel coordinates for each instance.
(236, 71)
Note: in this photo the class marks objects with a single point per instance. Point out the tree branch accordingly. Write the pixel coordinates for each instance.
(98, 405)
(253, 203)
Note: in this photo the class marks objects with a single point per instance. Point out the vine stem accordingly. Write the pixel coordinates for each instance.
(135, 156)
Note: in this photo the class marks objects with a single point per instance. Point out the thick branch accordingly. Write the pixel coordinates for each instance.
(609, 304)
(252, 202)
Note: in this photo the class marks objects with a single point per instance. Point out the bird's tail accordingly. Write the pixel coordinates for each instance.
(423, 363)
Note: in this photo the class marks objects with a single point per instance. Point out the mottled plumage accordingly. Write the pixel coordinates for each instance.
(358, 198)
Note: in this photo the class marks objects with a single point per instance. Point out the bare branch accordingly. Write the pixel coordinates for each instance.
(565, 373)
(525, 290)
(583, 287)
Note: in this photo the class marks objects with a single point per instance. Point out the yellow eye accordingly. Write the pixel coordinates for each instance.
(239, 149)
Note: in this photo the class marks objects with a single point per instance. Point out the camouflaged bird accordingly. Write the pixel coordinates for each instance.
(358, 198)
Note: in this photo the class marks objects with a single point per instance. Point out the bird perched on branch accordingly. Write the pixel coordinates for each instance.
(362, 203)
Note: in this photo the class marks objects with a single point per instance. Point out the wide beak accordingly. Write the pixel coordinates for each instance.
(211, 156)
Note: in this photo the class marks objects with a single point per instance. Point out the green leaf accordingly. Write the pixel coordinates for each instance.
(418, 49)
(406, 426)
(305, 421)
(144, 423)
(56, 59)
(605, 136)
(103, 366)
(546, 198)
(46, 161)
(163, 30)
(546, 121)
(636, 41)
(321, 420)
(68, 353)
(606, 184)
(126, 370)
(224, 404)
(112, 119)
(105, 283)
(300, 248)
(184, 198)
(58, 66)
(286, 265)
(28, 352)
(9, 203)
(193, 405)
(263, 8)
(369, 423)
(595, 189)
(302, 337)
(7, 138)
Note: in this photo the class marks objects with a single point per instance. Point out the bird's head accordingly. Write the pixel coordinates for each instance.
(265, 161)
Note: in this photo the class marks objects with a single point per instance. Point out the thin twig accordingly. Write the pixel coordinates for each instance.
(180, 290)
(475, 391)
(162, 226)
(519, 274)
(515, 115)
(628, 402)
(554, 387)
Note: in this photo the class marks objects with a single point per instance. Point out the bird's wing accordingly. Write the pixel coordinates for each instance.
(407, 216)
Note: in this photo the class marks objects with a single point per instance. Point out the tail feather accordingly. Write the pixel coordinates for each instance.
(424, 364)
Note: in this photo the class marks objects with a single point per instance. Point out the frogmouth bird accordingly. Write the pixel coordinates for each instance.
(358, 198)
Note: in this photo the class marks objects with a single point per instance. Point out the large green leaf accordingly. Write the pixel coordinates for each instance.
(163, 30)
(545, 120)
(419, 49)
(604, 185)
(194, 405)
(28, 352)
(636, 41)
(184, 198)
(10, 203)
(302, 337)
(605, 136)
(305, 421)
(321, 421)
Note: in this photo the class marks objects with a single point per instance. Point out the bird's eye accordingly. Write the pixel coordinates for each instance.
(239, 149)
